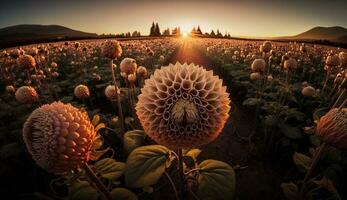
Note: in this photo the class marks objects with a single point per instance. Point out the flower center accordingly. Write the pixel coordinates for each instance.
(184, 112)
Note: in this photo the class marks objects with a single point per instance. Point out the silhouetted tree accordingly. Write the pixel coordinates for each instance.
(193, 32)
(152, 31)
(136, 34)
(198, 31)
(219, 34)
(157, 30)
(212, 34)
(176, 31)
(166, 32)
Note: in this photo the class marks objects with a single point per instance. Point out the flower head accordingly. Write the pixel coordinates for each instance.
(82, 92)
(290, 64)
(258, 65)
(308, 91)
(26, 62)
(141, 71)
(183, 106)
(26, 94)
(111, 92)
(112, 49)
(332, 128)
(128, 66)
(59, 137)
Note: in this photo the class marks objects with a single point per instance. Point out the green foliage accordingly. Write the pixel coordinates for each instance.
(302, 161)
(133, 139)
(216, 180)
(109, 168)
(123, 194)
(290, 191)
(82, 191)
(145, 165)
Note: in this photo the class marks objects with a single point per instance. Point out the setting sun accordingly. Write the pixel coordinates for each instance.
(185, 34)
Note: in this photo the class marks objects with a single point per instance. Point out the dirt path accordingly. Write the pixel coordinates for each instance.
(257, 179)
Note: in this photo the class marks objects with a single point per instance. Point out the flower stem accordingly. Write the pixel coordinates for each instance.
(315, 160)
(120, 111)
(96, 181)
(181, 173)
(172, 185)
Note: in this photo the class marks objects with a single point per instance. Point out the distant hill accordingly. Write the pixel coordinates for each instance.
(25, 34)
(323, 33)
(335, 35)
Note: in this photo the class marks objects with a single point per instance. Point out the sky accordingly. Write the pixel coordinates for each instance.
(257, 18)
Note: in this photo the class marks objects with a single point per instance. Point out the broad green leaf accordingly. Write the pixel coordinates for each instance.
(328, 185)
(290, 191)
(122, 194)
(96, 120)
(290, 131)
(145, 165)
(133, 139)
(302, 161)
(216, 180)
(109, 168)
(82, 190)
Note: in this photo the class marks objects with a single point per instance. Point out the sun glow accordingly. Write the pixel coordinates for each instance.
(184, 34)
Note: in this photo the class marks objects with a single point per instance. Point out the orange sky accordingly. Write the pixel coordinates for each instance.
(240, 18)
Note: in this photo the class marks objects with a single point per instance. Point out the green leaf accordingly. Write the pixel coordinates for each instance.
(290, 131)
(302, 161)
(291, 191)
(96, 154)
(133, 139)
(82, 190)
(145, 165)
(194, 153)
(328, 185)
(100, 126)
(96, 120)
(109, 168)
(123, 194)
(97, 143)
(216, 180)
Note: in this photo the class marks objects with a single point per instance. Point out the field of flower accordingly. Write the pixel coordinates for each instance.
(129, 119)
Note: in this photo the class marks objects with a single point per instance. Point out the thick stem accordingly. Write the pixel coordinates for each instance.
(96, 181)
(181, 174)
(119, 105)
(315, 160)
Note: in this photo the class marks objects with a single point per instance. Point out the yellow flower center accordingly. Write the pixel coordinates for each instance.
(184, 112)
